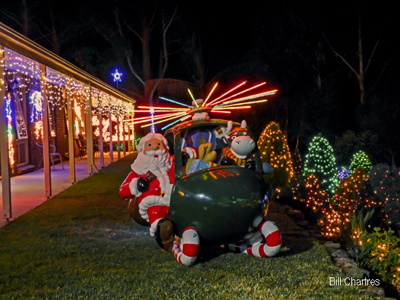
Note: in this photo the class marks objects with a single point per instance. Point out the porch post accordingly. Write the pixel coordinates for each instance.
(71, 148)
(129, 133)
(111, 138)
(101, 146)
(133, 129)
(118, 139)
(46, 133)
(123, 134)
(89, 132)
(5, 163)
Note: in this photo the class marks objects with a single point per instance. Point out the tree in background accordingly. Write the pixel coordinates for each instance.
(349, 143)
(320, 161)
(275, 151)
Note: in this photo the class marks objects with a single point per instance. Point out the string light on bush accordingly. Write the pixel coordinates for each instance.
(316, 197)
(330, 223)
(275, 151)
(347, 199)
(360, 159)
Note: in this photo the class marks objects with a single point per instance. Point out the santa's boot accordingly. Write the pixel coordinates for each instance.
(164, 234)
(186, 251)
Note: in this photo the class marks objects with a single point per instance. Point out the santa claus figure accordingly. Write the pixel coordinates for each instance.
(150, 183)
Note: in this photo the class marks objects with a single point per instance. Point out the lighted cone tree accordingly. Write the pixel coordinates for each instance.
(320, 161)
(360, 159)
(275, 151)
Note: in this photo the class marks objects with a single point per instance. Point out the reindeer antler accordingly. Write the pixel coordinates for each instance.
(222, 132)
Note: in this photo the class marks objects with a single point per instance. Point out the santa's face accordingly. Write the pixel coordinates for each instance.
(153, 157)
(154, 147)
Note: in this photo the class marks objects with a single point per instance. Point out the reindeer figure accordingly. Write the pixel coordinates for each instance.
(240, 145)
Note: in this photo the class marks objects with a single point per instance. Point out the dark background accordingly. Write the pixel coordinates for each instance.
(282, 42)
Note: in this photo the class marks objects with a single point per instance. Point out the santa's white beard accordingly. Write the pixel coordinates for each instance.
(159, 166)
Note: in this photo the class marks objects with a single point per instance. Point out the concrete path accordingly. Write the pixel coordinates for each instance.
(27, 190)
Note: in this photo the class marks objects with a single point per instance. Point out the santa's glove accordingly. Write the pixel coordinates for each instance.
(250, 165)
(143, 184)
(226, 161)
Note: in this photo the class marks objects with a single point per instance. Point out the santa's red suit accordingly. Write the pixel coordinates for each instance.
(153, 203)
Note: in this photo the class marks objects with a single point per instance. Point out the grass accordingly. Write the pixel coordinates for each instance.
(81, 244)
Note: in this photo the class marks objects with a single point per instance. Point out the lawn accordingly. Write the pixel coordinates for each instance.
(81, 244)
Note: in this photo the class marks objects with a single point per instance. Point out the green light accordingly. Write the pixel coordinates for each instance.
(320, 161)
(360, 159)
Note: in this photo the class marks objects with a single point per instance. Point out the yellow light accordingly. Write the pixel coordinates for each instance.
(230, 91)
(243, 103)
(164, 120)
(208, 97)
(194, 100)
(221, 112)
(236, 107)
(250, 97)
(249, 89)
(165, 116)
(158, 107)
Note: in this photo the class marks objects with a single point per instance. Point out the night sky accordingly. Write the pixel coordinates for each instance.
(276, 41)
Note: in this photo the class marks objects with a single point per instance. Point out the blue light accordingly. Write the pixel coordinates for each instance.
(343, 173)
(152, 127)
(117, 76)
(36, 102)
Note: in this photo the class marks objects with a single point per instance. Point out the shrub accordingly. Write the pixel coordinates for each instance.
(330, 223)
(347, 199)
(380, 251)
(385, 182)
(351, 231)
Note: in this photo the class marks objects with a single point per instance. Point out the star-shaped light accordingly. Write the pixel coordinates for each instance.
(117, 76)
